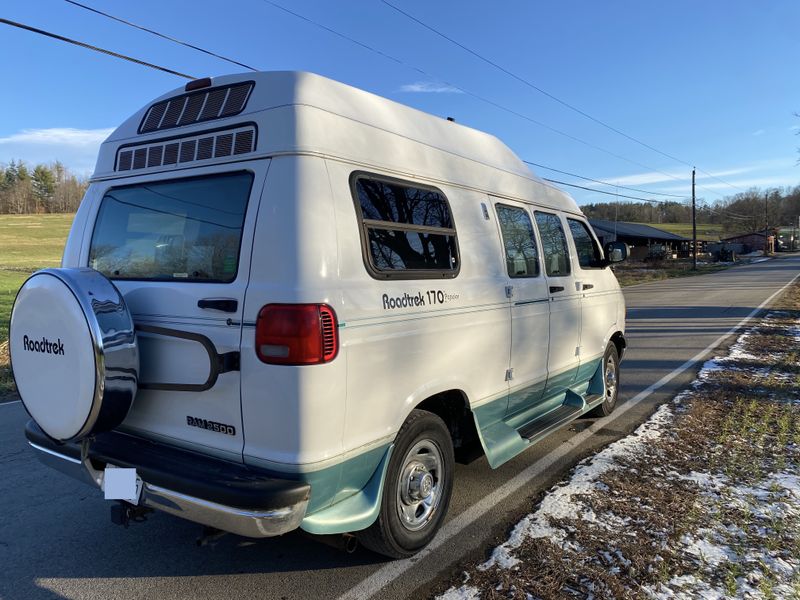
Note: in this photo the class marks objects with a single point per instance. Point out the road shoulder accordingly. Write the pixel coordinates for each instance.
(704, 498)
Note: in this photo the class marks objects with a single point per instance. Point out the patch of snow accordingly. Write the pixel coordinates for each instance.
(704, 480)
(501, 557)
(465, 592)
(686, 587)
(680, 398)
(782, 376)
(737, 353)
(562, 501)
(789, 482)
(707, 551)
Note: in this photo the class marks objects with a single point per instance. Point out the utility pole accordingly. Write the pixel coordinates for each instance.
(694, 227)
(766, 223)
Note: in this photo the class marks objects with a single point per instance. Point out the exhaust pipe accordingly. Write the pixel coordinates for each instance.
(345, 542)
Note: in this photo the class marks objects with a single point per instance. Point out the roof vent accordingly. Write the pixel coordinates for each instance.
(196, 107)
(220, 144)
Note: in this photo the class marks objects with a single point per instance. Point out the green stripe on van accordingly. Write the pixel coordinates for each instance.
(498, 430)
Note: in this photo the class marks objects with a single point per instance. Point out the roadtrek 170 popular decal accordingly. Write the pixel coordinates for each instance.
(423, 298)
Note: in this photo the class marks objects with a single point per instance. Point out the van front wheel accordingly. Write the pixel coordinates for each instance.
(417, 488)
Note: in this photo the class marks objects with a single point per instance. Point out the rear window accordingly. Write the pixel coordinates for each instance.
(183, 229)
(406, 228)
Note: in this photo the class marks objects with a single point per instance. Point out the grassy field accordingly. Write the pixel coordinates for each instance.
(631, 273)
(27, 243)
(709, 233)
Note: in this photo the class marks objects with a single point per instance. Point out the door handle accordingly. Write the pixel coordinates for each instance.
(588, 286)
(228, 305)
(556, 288)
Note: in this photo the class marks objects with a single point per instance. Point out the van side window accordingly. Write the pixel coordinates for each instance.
(407, 230)
(522, 258)
(554, 244)
(589, 255)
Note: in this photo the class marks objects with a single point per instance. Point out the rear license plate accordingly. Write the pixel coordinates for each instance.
(122, 484)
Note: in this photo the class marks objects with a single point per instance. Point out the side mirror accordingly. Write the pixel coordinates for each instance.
(616, 252)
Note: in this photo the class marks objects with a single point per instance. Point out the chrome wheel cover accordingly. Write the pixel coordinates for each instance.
(419, 487)
(610, 380)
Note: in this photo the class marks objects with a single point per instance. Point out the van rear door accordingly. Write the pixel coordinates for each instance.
(179, 248)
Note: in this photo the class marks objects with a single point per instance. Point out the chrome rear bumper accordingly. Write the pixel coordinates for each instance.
(248, 523)
(251, 522)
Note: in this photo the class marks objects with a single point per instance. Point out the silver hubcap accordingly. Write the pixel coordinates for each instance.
(419, 486)
(611, 380)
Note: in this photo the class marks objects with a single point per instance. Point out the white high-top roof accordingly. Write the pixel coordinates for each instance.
(299, 112)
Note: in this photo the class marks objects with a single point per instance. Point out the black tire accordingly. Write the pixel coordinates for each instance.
(394, 536)
(610, 376)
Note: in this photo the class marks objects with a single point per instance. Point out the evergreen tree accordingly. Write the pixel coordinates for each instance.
(44, 187)
(22, 172)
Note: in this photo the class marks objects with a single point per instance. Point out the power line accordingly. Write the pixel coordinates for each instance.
(723, 211)
(95, 48)
(164, 69)
(161, 35)
(372, 49)
(583, 187)
(137, 61)
(726, 212)
(650, 200)
(529, 83)
(736, 187)
(548, 94)
(348, 38)
(624, 187)
(468, 92)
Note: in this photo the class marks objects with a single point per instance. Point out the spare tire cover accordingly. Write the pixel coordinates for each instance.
(73, 352)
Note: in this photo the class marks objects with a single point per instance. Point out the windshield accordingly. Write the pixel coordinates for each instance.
(183, 229)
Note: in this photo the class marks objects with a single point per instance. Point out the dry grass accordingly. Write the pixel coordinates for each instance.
(6, 380)
(739, 425)
(631, 273)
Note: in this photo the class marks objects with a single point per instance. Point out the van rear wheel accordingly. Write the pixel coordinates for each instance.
(610, 382)
(417, 488)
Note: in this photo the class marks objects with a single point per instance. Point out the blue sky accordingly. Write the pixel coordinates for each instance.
(713, 83)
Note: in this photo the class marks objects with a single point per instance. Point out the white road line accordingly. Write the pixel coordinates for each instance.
(391, 571)
(11, 402)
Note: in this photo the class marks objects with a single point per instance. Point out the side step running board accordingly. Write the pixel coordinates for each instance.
(550, 422)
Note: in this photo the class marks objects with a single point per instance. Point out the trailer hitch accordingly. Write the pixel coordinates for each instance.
(124, 513)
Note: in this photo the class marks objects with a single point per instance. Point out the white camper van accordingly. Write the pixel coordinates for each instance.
(285, 302)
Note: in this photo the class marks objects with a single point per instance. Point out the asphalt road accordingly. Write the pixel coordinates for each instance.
(56, 539)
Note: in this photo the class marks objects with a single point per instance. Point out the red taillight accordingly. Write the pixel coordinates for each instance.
(296, 334)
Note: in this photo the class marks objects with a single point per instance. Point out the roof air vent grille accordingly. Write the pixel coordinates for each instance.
(229, 142)
(196, 107)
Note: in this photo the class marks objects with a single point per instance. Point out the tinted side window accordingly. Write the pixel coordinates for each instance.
(407, 229)
(588, 251)
(183, 229)
(554, 244)
(522, 258)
